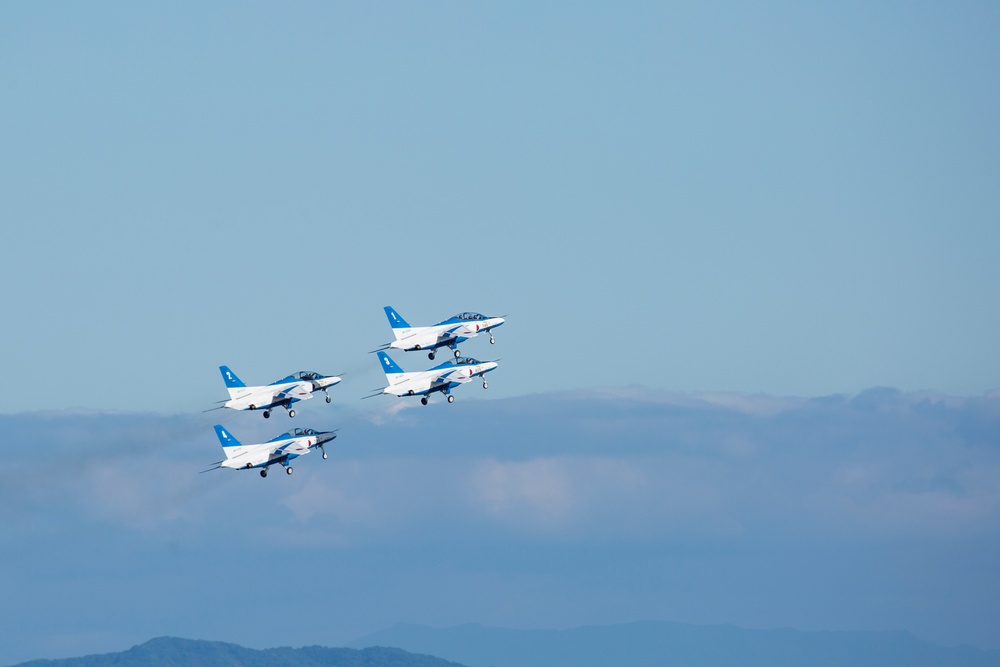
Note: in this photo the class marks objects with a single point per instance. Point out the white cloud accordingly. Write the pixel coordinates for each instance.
(607, 466)
(540, 492)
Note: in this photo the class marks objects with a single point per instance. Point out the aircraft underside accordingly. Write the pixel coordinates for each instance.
(287, 405)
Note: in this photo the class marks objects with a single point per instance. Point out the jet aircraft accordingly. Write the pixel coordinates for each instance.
(284, 392)
(441, 378)
(448, 333)
(276, 451)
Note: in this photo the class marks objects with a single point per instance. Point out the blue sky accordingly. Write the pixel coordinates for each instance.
(731, 201)
(769, 198)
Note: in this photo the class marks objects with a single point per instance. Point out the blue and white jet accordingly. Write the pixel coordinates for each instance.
(448, 333)
(283, 393)
(276, 451)
(441, 378)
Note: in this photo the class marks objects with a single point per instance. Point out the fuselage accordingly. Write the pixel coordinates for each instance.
(244, 398)
(440, 378)
(451, 332)
(281, 449)
(286, 391)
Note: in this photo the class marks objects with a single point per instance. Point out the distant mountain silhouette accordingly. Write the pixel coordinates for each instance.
(655, 644)
(172, 652)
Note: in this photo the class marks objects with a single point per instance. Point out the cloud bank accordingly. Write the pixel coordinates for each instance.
(875, 511)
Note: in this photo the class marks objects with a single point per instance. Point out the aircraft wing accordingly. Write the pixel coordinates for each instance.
(451, 376)
(450, 333)
(297, 391)
(293, 448)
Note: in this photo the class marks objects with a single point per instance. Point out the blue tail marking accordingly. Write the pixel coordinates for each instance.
(225, 437)
(230, 377)
(396, 321)
(388, 365)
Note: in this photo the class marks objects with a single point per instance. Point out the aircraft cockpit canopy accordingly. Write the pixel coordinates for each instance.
(467, 361)
(307, 375)
(298, 432)
(470, 316)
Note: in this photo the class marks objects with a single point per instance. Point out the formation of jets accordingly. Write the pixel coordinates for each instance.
(301, 386)
(442, 378)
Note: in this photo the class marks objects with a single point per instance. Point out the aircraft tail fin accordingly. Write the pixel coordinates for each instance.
(232, 382)
(389, 367)
(396, 321)
(227, 439)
